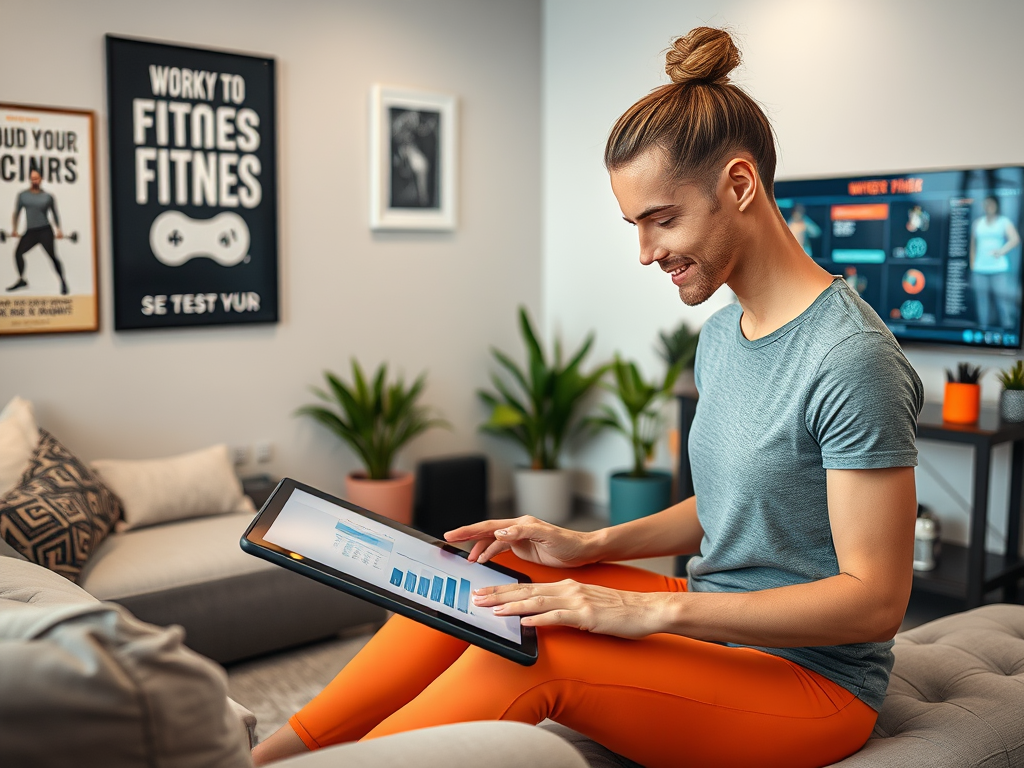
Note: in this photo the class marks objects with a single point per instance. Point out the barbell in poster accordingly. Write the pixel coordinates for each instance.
(193, 167)
(47, 221)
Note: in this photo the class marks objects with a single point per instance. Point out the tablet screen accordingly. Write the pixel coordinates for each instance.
(389, 559)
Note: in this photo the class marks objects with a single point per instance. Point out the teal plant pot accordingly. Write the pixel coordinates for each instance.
(631, 498)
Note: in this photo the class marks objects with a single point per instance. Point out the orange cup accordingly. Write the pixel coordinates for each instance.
(961, 403)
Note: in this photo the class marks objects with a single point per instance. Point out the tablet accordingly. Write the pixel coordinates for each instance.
(387, 563)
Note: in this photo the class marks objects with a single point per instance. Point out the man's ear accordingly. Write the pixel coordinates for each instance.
(740, 181)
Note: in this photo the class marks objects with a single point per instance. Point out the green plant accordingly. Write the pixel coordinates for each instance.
(642, 403)
(966, 374)
(679, 346)
(1014, 377)
(542, 414)
(376, 419)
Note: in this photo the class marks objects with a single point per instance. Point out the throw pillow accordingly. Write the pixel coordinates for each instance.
(196, 484)
(59, 512)
(18, 438)
(91, 685)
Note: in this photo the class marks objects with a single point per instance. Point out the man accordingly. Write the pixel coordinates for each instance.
(38, 205)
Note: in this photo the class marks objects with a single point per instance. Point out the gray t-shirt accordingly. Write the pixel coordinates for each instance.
(36, 204)
(831, 389)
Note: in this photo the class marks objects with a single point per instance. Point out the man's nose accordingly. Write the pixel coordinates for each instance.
(650, 251)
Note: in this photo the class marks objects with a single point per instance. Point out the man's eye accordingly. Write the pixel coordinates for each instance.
(666, 222)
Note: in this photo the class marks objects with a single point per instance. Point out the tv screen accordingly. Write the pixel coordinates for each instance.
(936, 254)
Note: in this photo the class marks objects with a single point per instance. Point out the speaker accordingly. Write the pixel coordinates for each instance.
(450, 492)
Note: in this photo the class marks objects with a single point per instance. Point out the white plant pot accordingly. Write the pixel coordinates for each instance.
(544, 493)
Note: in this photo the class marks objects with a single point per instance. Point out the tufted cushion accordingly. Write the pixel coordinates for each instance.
(956, 695)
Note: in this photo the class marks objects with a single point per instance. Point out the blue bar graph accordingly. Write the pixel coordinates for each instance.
(396, 577)
(366, 538)
(449, 593)
(410, 581)
(464, 595)
(435, 592)
(424, 588)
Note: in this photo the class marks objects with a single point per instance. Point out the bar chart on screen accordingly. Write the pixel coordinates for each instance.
(429, 583)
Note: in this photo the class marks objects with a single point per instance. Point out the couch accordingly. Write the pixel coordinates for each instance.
(160, 537)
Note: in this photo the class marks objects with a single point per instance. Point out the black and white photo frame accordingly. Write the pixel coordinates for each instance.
(413, 163)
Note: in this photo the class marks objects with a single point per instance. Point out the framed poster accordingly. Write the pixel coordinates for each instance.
(48, 246)
(412, 151)
(193, 178)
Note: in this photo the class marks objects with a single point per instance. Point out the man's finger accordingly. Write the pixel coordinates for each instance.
(477, 530)
(495, 548)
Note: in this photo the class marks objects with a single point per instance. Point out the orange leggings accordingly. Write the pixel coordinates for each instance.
(659, 701)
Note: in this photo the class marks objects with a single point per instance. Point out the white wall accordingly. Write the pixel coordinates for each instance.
(851, 87)
(419, 301)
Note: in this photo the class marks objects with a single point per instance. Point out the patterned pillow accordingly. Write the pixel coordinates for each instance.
(59, 512)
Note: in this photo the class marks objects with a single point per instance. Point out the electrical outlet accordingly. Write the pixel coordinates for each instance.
(240, 454)
(264, 451)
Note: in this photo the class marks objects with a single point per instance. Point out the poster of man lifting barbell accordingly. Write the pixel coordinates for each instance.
(193, 177)
(47, 221)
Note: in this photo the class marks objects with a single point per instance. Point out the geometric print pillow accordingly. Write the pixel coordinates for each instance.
(59, 512)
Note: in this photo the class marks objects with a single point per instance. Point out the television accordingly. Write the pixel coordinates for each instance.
(937, 254)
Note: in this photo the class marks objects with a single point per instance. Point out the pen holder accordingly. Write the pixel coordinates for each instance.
(961, 403)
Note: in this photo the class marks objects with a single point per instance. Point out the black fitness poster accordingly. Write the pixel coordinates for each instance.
(193, 175)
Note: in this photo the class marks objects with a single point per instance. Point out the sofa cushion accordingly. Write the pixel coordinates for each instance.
(195, 484)
(59, 512)
(18, 438)
(158, 559)
(24, 582)
(91, 681)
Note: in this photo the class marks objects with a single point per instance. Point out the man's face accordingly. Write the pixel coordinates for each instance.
(35, 179)
(681, 228)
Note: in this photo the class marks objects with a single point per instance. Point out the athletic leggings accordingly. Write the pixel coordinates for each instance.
(30, 239)
(664, 700)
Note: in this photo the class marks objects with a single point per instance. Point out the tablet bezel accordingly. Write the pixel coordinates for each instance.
(254, 543)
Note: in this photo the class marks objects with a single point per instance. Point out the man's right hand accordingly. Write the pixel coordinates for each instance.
(530, 539)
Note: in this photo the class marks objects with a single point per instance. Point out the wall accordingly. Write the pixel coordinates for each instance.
(430, 302)
(851, 87)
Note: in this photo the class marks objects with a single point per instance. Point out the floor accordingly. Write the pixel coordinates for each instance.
(276, 686)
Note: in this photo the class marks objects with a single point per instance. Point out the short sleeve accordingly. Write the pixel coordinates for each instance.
(863, 406)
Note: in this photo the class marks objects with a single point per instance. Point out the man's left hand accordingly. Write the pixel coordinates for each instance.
(588, 607)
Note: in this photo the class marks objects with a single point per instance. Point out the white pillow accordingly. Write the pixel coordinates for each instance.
(153, 491)
(19, 436)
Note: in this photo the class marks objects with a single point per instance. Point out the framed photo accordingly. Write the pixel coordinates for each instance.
(48, 280)
(193, 182)
(412, 151)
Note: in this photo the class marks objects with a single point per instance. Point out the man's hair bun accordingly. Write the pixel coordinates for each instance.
(703, 55)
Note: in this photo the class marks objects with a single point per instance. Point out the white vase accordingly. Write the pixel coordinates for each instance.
(544, 493)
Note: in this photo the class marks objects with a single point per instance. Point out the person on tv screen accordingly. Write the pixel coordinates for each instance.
(993, 276)
(803, 228)
(775, 649)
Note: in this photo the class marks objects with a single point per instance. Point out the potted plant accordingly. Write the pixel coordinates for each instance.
(680, 346)
(376, 419)
(962, 400)
(539, 410)
(1011, 399)
(640, 491)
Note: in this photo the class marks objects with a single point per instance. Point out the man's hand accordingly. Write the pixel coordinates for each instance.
(583, 606)
(529, 538)
(60, 234)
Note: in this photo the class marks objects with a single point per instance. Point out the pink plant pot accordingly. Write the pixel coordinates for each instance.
(392, 498)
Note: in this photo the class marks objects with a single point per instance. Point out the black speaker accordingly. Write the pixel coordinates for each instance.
(450, 492)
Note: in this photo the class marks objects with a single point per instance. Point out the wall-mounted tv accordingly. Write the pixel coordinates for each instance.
(936, 253)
